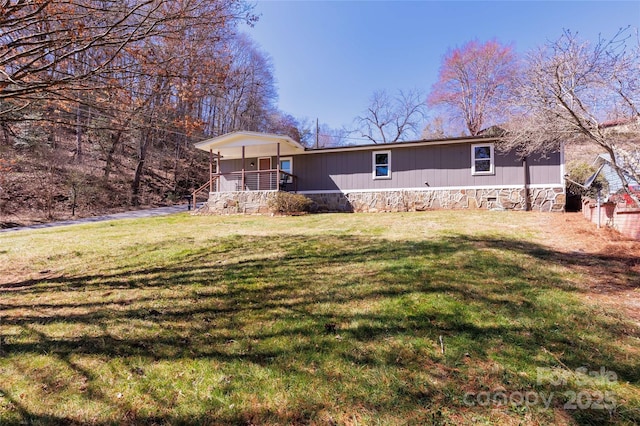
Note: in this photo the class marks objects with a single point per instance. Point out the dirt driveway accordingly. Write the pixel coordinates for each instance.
(134, 214)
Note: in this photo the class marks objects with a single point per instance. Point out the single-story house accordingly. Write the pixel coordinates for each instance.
(246, 168)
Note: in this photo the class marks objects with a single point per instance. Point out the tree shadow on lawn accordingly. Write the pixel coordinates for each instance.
(286, 302)
(613, 271)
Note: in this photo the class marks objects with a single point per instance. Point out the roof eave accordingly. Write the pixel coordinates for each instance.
(406, 144)
(229, 139)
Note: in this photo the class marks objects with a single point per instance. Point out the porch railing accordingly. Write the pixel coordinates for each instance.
(257, 180)
(211, 185)
(249, 180)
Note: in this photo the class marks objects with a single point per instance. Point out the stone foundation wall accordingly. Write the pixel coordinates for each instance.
(544, 199)
(256, 202)
(547, 199)
(239, 202)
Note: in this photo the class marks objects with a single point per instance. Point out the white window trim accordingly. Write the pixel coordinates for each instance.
(373, 162)
(289, 178)
(492, 169)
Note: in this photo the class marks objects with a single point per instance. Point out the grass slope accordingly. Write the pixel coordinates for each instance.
(324, 319)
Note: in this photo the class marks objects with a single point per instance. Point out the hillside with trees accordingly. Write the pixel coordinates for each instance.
(100, 102)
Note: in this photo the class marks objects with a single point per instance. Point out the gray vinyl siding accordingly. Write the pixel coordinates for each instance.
(226, 182)
(228, 166)
(411, 167)
(547, 170)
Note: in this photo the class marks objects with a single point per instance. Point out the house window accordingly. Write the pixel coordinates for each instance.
(482, 159)
(382, 164)
(286, 165)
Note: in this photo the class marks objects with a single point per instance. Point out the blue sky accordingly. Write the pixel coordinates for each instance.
(330, 56)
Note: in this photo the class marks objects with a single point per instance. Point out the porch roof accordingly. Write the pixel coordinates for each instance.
(256, 145)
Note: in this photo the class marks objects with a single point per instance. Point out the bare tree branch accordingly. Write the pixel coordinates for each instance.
(392, 119)
(473, 81)
(60, 44)
(572, 90)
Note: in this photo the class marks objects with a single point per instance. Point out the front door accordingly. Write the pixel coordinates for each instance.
(264, 178)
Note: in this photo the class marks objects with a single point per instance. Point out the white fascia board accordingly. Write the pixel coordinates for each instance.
(235, 141)
(433, 188)
(390, 146)
(246, 138)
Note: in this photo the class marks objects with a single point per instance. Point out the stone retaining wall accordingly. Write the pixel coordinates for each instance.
(256, 202)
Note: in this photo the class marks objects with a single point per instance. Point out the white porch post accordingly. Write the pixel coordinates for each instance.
(210, 170)
(218, 172)
(242, 189)
(278, 167)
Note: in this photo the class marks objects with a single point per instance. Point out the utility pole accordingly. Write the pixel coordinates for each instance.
(317, 134)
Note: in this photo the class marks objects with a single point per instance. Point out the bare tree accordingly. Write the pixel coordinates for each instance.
(473, 81)
(246, 96)
(280, 123)
(165, 76)
(329, 137)
(42, 40)
(573, 90)
(391, 119)
(52, 45)
(437, 126)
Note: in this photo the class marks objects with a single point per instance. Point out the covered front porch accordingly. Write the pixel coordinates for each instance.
(249, 161)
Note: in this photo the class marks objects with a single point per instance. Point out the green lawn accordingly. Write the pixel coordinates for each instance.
(406, 318)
